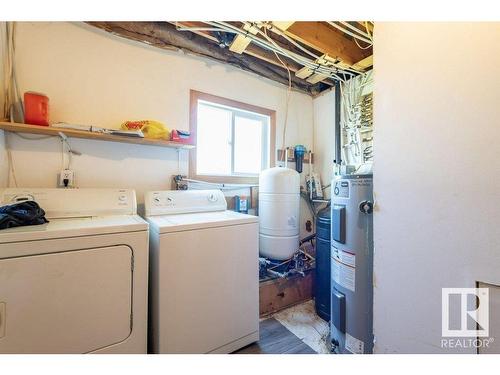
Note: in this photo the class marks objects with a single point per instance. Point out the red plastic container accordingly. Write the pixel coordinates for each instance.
(36, 109)
(181, 136)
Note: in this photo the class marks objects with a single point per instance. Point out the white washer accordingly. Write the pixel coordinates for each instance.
(77, 284)
(204, 281)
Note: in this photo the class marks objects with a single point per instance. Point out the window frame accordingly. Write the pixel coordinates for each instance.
(195, 97)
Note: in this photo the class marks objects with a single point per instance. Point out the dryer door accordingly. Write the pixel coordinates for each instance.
(68, 302)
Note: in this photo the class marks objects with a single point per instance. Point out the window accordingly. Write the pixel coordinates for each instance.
(234, 141)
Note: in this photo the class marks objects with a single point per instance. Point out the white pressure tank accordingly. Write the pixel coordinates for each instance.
(279, 199)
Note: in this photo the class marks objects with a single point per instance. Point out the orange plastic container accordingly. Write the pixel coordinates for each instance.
(36, 109)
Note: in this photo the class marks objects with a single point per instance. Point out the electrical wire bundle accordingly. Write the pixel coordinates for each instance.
(355, 33)
(264, 41)
(366, 108)
(357, 120)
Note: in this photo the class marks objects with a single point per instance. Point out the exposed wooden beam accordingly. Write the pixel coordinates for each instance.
(364, 64)
(283, 25)
(310, 75)
(320, 36)
(253, 50)
(241, 42)
(164, 35)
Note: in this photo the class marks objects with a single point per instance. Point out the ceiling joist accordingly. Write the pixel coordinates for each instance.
(364, 64)
(320, 36)
(310, 75)
(283, 25)
(241, 42)
(253, 49)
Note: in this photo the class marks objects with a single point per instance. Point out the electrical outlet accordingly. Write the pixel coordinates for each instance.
(66, 178)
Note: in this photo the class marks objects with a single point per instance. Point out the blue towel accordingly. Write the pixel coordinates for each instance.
(23, 213)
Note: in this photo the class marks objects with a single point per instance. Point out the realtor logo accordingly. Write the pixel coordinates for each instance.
(465, 312)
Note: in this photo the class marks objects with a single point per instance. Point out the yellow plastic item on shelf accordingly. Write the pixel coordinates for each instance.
(150, 128)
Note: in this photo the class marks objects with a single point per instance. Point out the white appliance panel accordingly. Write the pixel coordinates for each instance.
(170, 202)
(59, 203)
(67, 302)
(206, 289)
(74, 227)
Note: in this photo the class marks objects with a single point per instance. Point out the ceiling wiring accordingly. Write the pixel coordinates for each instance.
(274, 47)
(356, 36)
(353, 28)
(367, 47)
(270, 44)
(318, 67)
(370, 33)
(276, 30)
(357, 121)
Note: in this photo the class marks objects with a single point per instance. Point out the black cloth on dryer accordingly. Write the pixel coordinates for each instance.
(20, 214)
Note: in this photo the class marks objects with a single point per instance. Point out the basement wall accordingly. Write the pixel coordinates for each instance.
(324, 136)
(93, 77)
(436, 175)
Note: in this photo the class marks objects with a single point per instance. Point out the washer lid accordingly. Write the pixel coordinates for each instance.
(201, 220)
(74, 227)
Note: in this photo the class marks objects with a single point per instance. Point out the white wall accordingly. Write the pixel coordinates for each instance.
(3, 154)
(436, 174)
(324, 136)
(93, 77)
(3, 160)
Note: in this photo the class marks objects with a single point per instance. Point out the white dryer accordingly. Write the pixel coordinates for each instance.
(77, 284)
(204, 281)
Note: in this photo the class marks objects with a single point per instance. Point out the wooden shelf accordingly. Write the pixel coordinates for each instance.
(50, 130)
